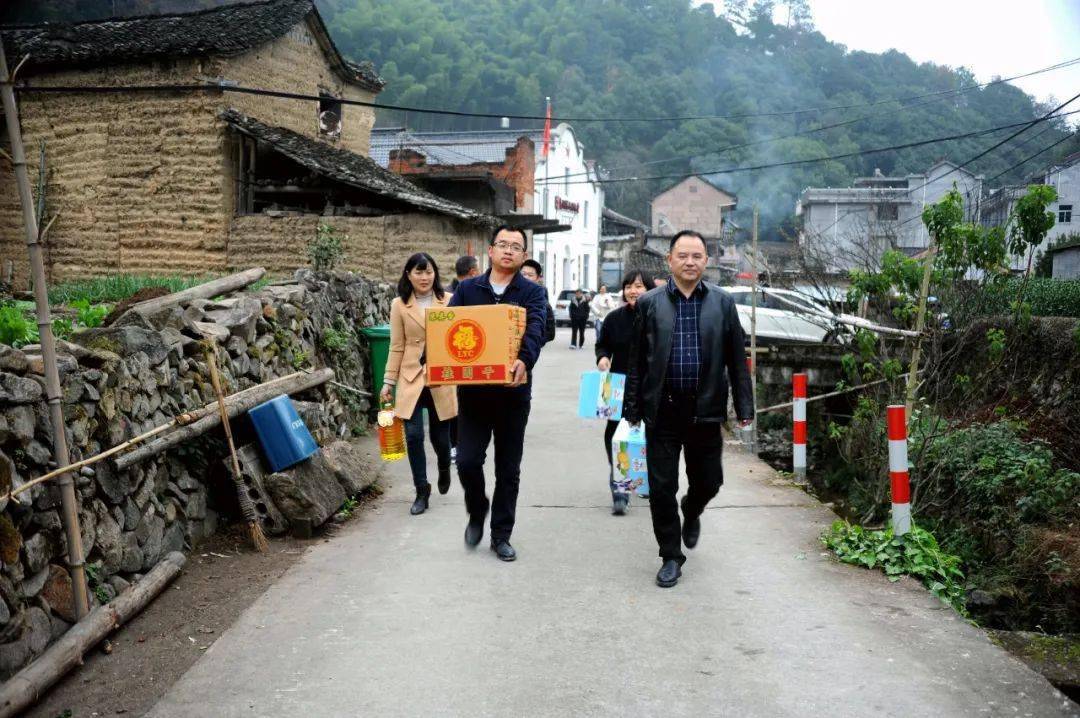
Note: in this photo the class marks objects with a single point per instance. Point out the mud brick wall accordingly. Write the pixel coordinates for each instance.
(124, 380)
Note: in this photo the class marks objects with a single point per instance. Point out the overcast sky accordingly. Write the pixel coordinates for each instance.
(992, 37)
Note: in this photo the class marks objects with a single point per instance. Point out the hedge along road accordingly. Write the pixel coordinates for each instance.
(394, 617)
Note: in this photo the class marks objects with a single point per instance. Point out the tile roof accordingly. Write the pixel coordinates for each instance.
(450, 148)
(349, 168)
(224, 30)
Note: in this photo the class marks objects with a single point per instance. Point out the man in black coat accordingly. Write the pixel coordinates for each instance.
(532, 271)
(579, 318)
(687, 345)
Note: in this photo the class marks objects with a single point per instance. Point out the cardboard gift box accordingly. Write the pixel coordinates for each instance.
(601, 395)
(631, 472)
(473, 345)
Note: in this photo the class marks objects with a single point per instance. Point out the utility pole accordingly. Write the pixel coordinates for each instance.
(69, 502)
(753, 331)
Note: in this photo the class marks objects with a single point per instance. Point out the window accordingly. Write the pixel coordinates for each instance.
(329, 116)
(586, 277)
(693, 189)
(1064, 213)
(566, 181)
(585, 214)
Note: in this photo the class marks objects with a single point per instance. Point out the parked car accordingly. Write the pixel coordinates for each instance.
(787, 316)
(562, 308)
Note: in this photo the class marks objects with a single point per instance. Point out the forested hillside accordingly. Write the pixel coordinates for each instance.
(637, 58)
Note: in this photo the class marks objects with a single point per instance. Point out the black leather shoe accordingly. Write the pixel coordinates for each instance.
(669, 574)
(474, 531)
(691, 529)
(420, 505)
(504, 550)
(444, 480)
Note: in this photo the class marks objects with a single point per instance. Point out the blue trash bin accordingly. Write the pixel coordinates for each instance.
(284, 437)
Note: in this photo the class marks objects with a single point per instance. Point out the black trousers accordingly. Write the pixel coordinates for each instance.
(675, 430)
(486, 413)
(609, 432)
(577, 332)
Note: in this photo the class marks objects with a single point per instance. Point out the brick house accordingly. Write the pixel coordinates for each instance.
(187, 180)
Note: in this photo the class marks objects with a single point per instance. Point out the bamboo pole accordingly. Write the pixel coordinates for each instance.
(68, 500)
(29, 684)
(238, 404)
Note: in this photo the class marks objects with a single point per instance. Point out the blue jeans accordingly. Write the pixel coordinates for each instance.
(414, 439)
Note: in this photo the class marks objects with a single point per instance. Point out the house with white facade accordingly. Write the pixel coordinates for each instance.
(1065, 178)
(562, 211)
(852, 227)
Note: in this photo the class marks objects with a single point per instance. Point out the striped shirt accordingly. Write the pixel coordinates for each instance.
(684, 364)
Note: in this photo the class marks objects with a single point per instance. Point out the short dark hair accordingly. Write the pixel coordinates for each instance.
(634, 274)
(535, 265)
(420, 260)
(465, 264)
(508, 228)
(689, 233)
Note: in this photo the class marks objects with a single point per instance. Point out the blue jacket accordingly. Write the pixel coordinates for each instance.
(520, 292)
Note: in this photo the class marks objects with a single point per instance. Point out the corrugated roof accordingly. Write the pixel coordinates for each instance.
(350, 168)
(224, 30)
(450, 148)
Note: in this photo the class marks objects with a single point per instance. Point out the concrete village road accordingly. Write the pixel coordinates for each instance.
(394, 617)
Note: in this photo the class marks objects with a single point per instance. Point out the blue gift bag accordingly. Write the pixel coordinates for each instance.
(631, 472)
(601, 395)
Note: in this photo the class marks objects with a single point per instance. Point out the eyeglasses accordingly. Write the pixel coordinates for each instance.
(509, 245)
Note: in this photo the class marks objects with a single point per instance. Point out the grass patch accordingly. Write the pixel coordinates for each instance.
(117, 288)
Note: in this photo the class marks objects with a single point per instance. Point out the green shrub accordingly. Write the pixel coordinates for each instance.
(326, 250)
(914, 554)
(89, 315)
(15, 328)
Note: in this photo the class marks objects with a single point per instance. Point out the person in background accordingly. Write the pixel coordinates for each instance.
(579, 317)
(499, 412)
(466, 266)
(687, 346)
(532, 271)
(613, 354)
(602, 305)
(418, 289)
(659, 281)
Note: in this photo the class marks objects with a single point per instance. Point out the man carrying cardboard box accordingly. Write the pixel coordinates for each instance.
(499, 411)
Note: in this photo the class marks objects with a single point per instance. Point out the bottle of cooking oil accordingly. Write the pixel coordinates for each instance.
(391, 434)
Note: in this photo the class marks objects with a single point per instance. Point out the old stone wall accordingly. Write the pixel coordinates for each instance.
(124, 380)
(376, 246)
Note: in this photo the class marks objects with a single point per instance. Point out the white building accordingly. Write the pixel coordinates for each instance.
(567, 190)
(1065, 178)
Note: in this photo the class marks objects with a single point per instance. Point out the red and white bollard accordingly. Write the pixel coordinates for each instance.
(896, 420)
(798, 448)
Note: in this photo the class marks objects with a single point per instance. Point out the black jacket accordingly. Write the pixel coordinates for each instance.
(723, 357)
(616, 334)
(579, 312)
(549, 326)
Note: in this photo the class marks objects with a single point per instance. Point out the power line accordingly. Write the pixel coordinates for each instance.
(1032, 156)
(846, 155)
(224, 87)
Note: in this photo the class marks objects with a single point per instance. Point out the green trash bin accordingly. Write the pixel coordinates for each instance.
(379, 337)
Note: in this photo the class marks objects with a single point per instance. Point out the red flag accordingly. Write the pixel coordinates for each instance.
(547, 130)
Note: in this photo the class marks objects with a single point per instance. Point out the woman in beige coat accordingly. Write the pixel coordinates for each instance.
(419, 288)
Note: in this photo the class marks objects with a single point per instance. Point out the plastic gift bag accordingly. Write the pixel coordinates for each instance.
(630, 472)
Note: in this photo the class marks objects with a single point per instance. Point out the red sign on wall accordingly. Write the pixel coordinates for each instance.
(565, 205)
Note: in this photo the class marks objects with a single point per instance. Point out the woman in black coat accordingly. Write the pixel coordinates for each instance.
(613, 354)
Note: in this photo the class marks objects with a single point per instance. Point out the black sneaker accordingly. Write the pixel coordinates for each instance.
(620, 503)
(503, 550)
